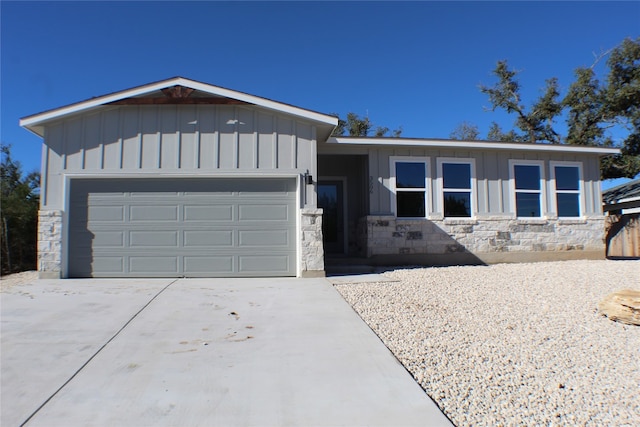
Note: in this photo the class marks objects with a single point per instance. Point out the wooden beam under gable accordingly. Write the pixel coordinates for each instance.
(177, 95)
(167, 101)
(177, 91)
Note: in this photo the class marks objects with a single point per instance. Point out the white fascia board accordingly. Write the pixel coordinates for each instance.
(33, 122)
(94, 102)
(476, 145)
(262, 102)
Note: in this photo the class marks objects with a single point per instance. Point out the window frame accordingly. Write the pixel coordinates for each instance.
(472, 190)
(393, 160)
(512, 184)
(555, 191)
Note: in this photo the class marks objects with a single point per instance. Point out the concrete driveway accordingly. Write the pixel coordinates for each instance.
(190, 352)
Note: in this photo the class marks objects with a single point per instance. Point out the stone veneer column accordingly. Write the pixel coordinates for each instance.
(49, 244)
(312, 250)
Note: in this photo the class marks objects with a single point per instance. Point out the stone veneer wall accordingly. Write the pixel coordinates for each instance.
(312, 249)
(49, 244)
(497, 237)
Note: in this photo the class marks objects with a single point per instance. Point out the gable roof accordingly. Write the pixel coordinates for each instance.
(474, 145)
(35, 123)
(622, 193)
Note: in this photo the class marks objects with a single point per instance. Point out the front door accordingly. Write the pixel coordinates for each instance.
(331, 200)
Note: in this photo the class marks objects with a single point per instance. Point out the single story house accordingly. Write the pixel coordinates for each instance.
(180, 178)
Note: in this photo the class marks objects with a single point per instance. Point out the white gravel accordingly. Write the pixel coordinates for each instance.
(11, 280)
(512, 344)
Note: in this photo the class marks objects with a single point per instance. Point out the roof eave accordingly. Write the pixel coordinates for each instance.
(35, 123)
(476, 145)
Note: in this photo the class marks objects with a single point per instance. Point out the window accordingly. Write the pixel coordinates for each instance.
(527, 182)
(567, 178)
(456, 182)
(409, 186)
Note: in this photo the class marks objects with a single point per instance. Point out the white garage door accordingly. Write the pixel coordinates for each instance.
(182, 227)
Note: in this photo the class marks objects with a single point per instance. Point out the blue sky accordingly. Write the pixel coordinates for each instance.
(416, 64)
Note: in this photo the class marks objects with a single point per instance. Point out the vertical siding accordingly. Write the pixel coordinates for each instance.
(304, 149)
(190, 139)
(169, 154)
(111, 140)
(52, 181)
(285, 143)
(227, 155)
(150, 139)
(91, 135)
(188, 133)
(493, 192)
(207, 119)
(73, 146)
(130, 141)
(266, 141)
(246, 147)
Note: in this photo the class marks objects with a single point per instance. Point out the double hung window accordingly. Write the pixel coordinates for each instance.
(567, 178)
(527, 178)
(409, 179)
(457, 187)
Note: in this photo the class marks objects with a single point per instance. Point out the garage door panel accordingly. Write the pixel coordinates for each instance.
(153, 195)
(154, 238)
(208, 213)
(107, 265)
(221, 265)
(105, 213)
(153, 264)
(264, 263)
(153, 213)
(105, 239)
(264, 238)
(263, 212)
(182, 227)
(206, 192)
(208, 238)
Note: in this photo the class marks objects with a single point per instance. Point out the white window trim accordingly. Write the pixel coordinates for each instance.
(543, 187)
(440, 184)
(554, 191)
(427, 182)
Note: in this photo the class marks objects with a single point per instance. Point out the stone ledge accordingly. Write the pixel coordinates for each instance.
(50, 213)
(460, 221)
(576, 221)
(532, 221)
(311, 211)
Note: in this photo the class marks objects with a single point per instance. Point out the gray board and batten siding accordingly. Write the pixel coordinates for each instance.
(493, 192)
(182, 227)
(195, 140)
(134, 152)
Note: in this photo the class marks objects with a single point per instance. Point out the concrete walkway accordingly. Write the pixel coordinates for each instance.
(198, 352)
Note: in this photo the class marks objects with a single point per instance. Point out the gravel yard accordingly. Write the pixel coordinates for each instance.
(512, 344)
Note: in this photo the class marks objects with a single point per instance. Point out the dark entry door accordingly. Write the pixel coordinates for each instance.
(331, 200)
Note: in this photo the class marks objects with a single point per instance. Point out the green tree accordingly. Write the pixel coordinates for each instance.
(355, 125)
(536, 123)
(496, 134)
(19, 202)
(465, 131)
(592, 109)
(622, 106)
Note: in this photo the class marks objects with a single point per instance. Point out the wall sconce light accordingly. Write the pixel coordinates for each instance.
(308, 179)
